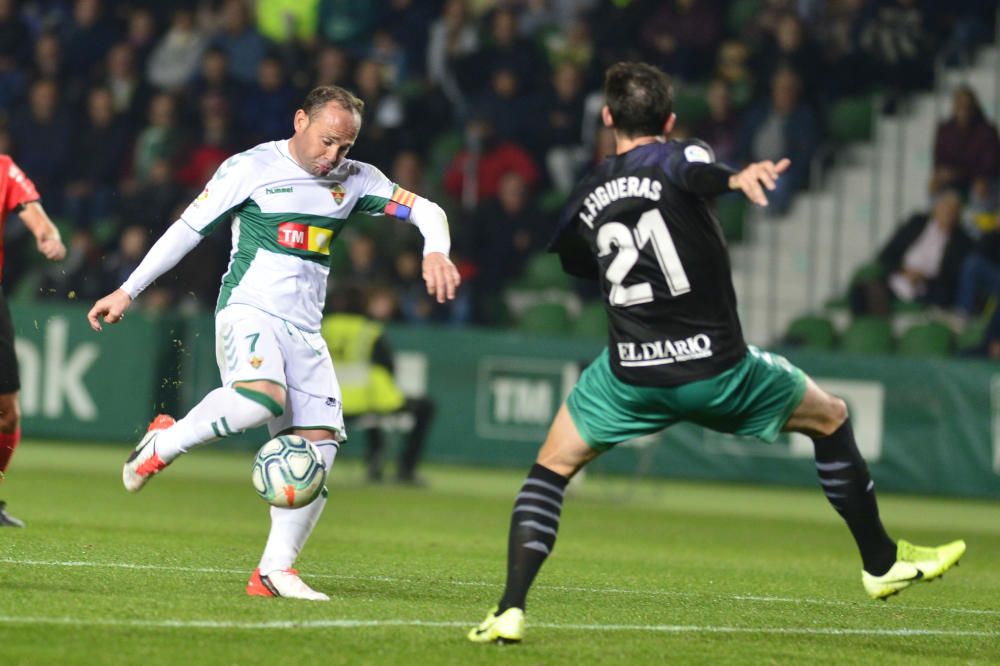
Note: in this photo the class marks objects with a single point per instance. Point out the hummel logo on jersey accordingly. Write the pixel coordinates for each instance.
(661, 352)
(278, 190)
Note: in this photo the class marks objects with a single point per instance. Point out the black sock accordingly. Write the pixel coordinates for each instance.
(533, 526)
(851, 491)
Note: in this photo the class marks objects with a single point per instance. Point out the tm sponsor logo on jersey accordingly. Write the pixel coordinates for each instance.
(305, 237)
(619, 188)
(661, 352)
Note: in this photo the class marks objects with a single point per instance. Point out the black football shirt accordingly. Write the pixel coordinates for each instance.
(640, 223)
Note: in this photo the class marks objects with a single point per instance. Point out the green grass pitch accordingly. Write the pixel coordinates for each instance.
(644, 573)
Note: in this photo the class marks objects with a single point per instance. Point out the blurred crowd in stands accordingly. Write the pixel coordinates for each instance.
(120, 112)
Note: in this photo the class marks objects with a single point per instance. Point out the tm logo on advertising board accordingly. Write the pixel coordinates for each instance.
(516, 398)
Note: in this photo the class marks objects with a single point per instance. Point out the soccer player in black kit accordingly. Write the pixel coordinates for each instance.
(641, 225)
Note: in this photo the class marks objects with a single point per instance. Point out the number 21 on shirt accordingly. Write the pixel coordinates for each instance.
(651, 228)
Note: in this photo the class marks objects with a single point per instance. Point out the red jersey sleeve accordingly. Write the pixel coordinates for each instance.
(15, 187)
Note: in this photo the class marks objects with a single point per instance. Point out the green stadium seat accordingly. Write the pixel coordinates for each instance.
(592, 322)
(741, 13)
(543, 271)
(866, 273)
(811, 332)
(546, 318)
(690, 105)
(932, 340)
(731, 210)
(867, 335)
(850, 119)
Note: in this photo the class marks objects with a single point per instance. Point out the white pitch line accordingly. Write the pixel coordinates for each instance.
(358, 624)
(467, 583)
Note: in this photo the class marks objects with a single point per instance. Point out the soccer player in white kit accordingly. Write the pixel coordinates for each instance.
(288, 201)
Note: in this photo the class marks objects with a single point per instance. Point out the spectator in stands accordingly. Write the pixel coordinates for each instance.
(214, 146)
(966, 147)
(140, 34)
(15, 38)
(896, 41)
(838, 29)
(160, 139)
(921, 263)
(560, 129)
(720, 129)
(790, 46)
(513, 108)
(100, 148)
(80, 275)
(333, 67)
(679, 37)
(782, 126)
(241, 42)
(476, 171)
(214, 78)
(383, 117)
(87, 37)
(130, 92)
(502, 234)
(133, 241)
(43, 134)
(268, 104)
(452, 38)
(979, 279)
(174, 60)
(48, 60)
(151, 202)
(504, 49)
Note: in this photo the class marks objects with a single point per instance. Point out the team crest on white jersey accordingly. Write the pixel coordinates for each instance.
(338, 192)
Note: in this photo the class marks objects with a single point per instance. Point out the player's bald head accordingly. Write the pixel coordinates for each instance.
(319, 97)
(639, 97)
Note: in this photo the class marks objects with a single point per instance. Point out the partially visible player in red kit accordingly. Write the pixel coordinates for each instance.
(18, 195)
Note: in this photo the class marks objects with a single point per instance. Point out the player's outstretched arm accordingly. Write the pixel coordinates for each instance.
(441, 276)
(111, 308)
(46, 234)
(755, 177)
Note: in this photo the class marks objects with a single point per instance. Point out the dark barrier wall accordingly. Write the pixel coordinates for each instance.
(925, 426)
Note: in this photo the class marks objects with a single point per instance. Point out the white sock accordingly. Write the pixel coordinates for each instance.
(221, 413)
(290, 528)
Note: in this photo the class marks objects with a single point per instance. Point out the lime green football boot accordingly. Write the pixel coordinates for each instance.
(913, 564)
(507, 627)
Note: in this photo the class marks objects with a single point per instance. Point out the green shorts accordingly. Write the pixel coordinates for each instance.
(754, 397)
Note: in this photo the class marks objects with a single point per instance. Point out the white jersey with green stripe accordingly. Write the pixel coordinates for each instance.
(284, 221)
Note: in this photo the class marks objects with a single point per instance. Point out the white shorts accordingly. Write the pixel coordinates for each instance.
(252, 345)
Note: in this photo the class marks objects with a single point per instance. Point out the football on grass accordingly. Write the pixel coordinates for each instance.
(288, 472)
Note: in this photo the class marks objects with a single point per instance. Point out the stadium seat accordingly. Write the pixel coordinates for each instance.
(850, 120)
(592, 322)
(541, 272)
(690, 105)
(866, 273)
(741, 14)
(546, 318)
(811, 332)
(867, 335)
(731, 210)
(932, 339)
